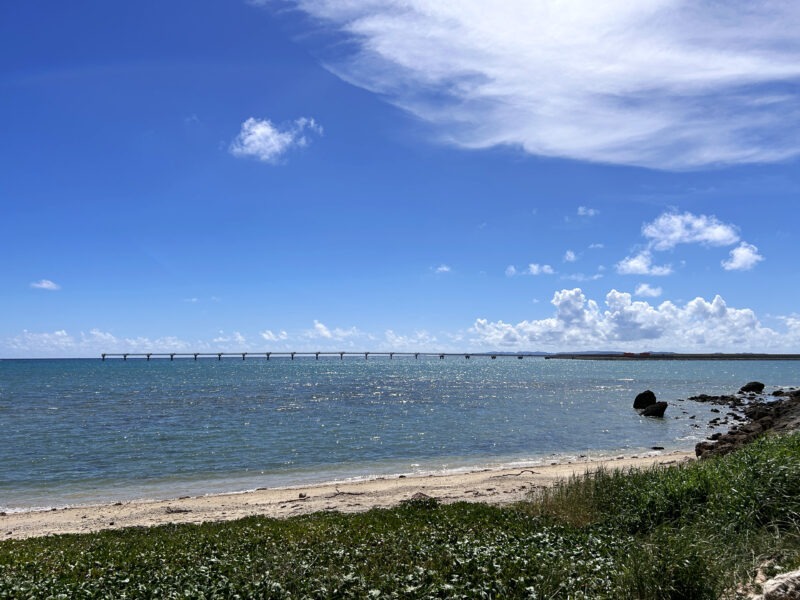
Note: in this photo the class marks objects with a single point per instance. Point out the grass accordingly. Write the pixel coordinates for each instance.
(691, 531)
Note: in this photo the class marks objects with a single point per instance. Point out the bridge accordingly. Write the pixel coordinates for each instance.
(292, 355)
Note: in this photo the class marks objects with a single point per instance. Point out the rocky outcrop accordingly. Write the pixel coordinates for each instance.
(782, 587)
(752, 386)
(645, 399)
(759, 417)
(655, 410)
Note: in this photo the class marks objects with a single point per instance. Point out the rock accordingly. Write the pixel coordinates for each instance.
(753, 386)
(656, 447)
(655, 410)
(782, 587)
(645, 399)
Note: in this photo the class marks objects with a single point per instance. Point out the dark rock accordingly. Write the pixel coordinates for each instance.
(752, 386)
(779, 393)
(656, 447)
(645, 399)
(715, 410)
(655, 410)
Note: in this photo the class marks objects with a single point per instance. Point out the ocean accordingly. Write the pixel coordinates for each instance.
(87, 432)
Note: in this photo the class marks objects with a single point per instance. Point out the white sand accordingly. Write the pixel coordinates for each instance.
(492, 486)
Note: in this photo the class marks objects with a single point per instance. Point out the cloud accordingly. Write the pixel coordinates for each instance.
(60, 343)
(236, 338)
(442, 269)
(641, 264)
(583, 211)
(45, 284)
(644, 290)
(580, 324)
(260, 139)
(273, 337)
(537, 269)
(666, 84)
(672, 228)
(511, 270)
(570, 256)
(596, 246)
(742, 258)
(321, 331)
(582, 277)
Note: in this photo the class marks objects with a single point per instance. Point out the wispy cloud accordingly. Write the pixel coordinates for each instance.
(537, 269)
(442, 269)
(570, 256)
(45, 284)
(584, 211)
(668, 84)
(646, 291)
(261, 139)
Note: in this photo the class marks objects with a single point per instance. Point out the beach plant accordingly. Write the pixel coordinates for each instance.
(698, 530)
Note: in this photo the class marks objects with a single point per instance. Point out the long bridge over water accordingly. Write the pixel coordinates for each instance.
(442, 355)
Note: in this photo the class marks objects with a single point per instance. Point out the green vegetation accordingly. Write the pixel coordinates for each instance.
(691, 531)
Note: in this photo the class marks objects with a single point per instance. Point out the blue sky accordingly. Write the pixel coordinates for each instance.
(213, 175)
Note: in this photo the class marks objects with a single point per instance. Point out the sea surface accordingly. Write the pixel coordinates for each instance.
(86, 431)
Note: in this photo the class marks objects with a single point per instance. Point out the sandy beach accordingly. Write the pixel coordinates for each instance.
(496, 486)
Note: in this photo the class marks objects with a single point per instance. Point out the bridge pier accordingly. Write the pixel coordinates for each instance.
(268, 353)
(441, 357)
(416, 355)
(148, 357)
(341, 355)
(219, 356)
(366, 355)
(195, 355)
(124, 357)
(243, 355)
(293, 355)
(316, 356)
(172, 357)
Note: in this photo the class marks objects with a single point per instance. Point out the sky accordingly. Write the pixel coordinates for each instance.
(266, 175)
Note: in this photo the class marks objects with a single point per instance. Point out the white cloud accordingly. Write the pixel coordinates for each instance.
(596, 246)
(580, 324)
(235, 338)
(742, 258)
(511, 270)
(191, 300)
(59, 343)
(644, 290)
(570, 256)
(274, 337)
(45, 284)
(582, 277)
(584, 211)
(664, 84)
(321, 331)
(672, 228)
(442, 269)
(260, 139)
(537, 269)
(641, 264)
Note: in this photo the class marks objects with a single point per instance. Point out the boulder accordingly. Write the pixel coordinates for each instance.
(782, 587)
(752, 386)
(645, 399)
(655, 410)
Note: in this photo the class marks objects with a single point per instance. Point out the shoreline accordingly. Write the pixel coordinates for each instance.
(495, 486)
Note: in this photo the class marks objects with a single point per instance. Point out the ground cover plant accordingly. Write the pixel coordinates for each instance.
(690, 531)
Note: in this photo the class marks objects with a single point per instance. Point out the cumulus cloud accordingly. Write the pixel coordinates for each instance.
(672, 228)
(581, 324)
(641, 264)
(511, 270)
(442, 269)
(646, 291)
(45, 284)
(322, 331)
(537, 269)
(60, 343)
(261, 139)
(570, 256)
(742, 258)
(274, 337)
(584, 211)
(669, 84)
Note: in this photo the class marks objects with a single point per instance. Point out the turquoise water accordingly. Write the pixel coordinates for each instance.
(86, 431)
